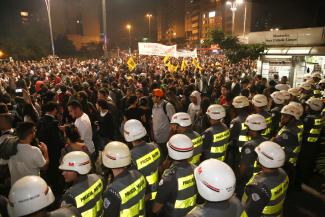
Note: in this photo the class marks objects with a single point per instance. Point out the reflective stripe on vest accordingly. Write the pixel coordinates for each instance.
(93, 211)
(221, 136)
(267, 131)
(220, 149)
(134, 210)
(244, 138)
(183, 204)
(83, 198)
(195, 159)
(148, 159)
(257, 168)
(153, 178)
(197, 141)
(244, 214)
(318, 121)
(316, 92)
(185, 182)
(132, 190)
(296, 151)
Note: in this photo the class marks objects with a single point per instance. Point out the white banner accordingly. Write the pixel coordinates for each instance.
(156, 49)
(186, 53)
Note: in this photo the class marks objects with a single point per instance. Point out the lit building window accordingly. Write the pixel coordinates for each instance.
(212, 14)
(24, 13)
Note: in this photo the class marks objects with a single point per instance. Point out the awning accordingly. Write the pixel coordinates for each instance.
(296, 51)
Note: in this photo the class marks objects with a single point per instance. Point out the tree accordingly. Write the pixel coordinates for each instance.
(233, 50)
(64, 46)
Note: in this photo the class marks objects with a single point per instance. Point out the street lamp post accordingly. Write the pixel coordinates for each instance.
(48, 9)
(149, 25)
(128, 27)
(104, 27)
(233, 8)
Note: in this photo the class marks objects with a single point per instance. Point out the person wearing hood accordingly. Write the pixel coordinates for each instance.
(194, 108)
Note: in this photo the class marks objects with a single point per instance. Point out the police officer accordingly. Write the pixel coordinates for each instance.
(248, 164)
(125, 196)
(181, 123)
(306, 92)
(290, 138)
(177, 189)
(316, 77)
(30, 196)
(278, 101)
(238, 131)
(260, 103)
(265, 192)
(86, 190)
(145, 156)
(312, 128)
(215, 182)
(216, 137)
(300, 113)
(294, 93)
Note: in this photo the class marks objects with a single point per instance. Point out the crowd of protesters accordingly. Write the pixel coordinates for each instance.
(53, 108)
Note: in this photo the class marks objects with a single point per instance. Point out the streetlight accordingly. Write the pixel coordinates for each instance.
(1, 54)
(128, 27)
(149, 19)
(48, 9)
(233, 8)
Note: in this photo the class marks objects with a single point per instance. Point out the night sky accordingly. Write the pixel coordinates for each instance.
(266, 14)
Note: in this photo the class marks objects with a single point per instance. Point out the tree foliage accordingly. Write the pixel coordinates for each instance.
(233, 49)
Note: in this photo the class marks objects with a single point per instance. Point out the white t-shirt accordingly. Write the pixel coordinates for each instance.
(27, 162)
(84, 127)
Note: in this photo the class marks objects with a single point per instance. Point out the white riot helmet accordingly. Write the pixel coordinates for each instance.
(28, 195)
(215, 180)
(134, 130)
(256, 122)
(270, 154)
(259, 100)
(299, 107)
(116, 155)
(182, 119)
(294, 91)
(240, 102)
(77, 161)
(290, 110)
(180, 147)
(315, 104)
(281, 87)
(278, 97)
(216, 112)
(285, 94)
(307, 76)
(305, 86)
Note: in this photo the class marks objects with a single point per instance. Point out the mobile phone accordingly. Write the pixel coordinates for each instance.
(19, 92)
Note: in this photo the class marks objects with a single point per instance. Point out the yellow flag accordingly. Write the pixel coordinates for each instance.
(166, 58)
(131, 64)
(183, 66)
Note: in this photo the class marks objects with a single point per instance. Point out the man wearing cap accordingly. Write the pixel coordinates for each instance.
(162, 113)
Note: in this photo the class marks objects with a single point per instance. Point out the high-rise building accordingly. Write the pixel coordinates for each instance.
(170, 20)
(79, 20)
(202, 15)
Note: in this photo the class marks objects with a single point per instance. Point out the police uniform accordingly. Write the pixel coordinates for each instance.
(197, 144)
(86, 196)
(313, 124)
(65, 211)
(276, 117)
(124, 197)
(249, 156)
(227, 208)
(290, 138)
(177, 190)
(146, 159)
(238, 137)
(265, 194)
(215, 142)
(268, 118)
